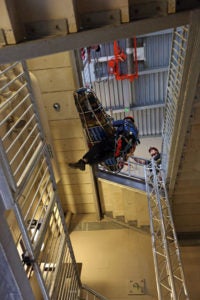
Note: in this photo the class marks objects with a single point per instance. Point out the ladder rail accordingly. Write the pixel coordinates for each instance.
(166, 254)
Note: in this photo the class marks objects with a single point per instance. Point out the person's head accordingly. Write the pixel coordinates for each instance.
(130, 118)
(153, 151)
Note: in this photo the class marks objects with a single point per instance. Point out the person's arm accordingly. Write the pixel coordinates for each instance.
(141, 161)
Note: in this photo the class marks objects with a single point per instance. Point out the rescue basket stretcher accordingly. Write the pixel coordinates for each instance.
(96, 123)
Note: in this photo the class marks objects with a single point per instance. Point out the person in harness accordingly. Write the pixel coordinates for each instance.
(121, 144)
(126, 137)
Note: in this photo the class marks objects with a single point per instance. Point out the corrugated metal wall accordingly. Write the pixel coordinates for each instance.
(143, 98)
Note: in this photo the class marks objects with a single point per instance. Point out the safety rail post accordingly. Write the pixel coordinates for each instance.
(170, 279)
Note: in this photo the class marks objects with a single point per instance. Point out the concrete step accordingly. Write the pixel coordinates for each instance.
(132, 224)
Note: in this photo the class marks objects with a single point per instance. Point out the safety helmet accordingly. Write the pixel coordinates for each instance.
(130, 118)
(153, 148)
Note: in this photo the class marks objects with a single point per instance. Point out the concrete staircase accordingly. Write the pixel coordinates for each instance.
(131, 224)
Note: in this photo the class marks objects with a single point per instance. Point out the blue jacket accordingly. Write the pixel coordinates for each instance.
(126, 127)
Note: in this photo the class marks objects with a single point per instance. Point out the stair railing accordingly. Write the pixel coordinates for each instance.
(42, 241)
(89, 292)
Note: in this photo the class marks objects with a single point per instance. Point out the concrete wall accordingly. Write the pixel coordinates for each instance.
(191, 265)
(113, 260)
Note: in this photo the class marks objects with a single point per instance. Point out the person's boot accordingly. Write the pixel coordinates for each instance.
(78, 165)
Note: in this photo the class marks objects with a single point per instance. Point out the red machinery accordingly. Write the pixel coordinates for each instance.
(119, 57)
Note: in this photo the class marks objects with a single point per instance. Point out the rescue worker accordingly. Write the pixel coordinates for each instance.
(155, 154)
(121, 144)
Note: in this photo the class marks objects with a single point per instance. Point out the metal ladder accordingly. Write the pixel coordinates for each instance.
(167, 261)
(173, 99)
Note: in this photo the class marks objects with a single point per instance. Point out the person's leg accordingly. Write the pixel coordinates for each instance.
(98, 153)
(78, 165)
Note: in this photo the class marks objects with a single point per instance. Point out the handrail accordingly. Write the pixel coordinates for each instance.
(93, 292)
(134, 169)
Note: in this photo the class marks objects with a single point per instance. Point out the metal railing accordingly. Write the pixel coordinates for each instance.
(173, 99)
(90, 294)
(131, 168)
(167, 261)
(39, 229)
(20, 133)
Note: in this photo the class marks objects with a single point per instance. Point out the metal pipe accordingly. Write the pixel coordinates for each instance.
(22, 146)
(59, 262)
(33, 180)
(7, 168)
(15, 108)
(34, 196)
(8, 68)
(21, 132)
(164, 240)
(11, 81)
(14, 94)
(153, 239)
(30, 250)
(14, 125)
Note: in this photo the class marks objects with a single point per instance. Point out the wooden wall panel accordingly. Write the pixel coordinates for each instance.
(77, 177)
(70, 144)
(63, 129)
(57, 83)
(83, 208)
(78, 199)
(10, 22)
(58, 60)
(78, 188)
(70, 156)
(32, 11)
(56, 79)
(65, 100)
(87, 6)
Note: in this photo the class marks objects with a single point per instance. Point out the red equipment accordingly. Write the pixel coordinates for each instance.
(120, 56)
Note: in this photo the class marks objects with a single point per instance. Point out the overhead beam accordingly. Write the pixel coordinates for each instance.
(56, 44)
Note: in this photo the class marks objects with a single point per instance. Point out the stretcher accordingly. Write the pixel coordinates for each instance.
(97, 124)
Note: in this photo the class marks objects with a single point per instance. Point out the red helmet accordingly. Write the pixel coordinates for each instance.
(130, 118)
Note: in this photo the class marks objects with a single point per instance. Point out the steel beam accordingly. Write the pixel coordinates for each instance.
(56, 44)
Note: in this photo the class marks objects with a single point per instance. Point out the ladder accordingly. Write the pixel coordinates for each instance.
(170, 279)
